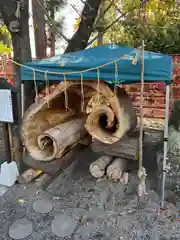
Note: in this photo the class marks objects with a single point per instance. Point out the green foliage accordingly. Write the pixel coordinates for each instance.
(156, 22)
(5, 41)
(4, 50)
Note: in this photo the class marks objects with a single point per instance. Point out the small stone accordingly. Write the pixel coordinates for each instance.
(63, 226)
(55, 198)
(171, 210)
(83, 220)
(153, 196)
(170, 197)
(43, 206)
(21, 201)
(20, 229)
(125, 178)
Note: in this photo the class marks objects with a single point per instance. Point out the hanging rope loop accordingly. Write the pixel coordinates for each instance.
(82, 93)
(116, 78)
(98, 86)
(35, 86)
(65, 92)
(47, 87)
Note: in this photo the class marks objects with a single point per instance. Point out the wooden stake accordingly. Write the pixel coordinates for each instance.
(141, 171)
(141, 110)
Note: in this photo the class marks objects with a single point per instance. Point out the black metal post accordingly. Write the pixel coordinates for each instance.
(7, 142)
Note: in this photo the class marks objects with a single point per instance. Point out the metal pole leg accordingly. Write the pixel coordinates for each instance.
(165, 143)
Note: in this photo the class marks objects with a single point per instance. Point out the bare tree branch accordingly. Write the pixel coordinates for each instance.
(81, 37)
(53, 23)
(115, 5)
(102, 13)
(104, 30)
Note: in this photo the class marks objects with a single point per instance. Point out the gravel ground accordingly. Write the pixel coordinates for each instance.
(91, 209)
(100, 209)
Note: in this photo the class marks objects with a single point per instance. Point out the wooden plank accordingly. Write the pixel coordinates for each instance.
(57, 165)
(127, 147)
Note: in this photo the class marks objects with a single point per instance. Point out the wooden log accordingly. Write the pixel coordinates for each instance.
(116, 169)
(110, 121)
(98, 168)
(126, 147)
(36, 124)
(125, 178)
(52, 167)
(56, 141)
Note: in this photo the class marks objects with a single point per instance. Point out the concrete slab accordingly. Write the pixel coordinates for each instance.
(43, 206)
(63, 226)
(20, 229)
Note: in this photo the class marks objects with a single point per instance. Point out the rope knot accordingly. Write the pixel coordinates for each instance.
(142, 173)
(142, 182)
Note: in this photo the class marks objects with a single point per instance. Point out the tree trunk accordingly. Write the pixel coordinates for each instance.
(52, 44)
(80, 38)
(20, 39)
(119, 149)
(18, 26)
(52, 35)
(55, 142)
(39, 29)
(110, 122)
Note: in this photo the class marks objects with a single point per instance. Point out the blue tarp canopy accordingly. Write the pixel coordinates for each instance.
(158, 67)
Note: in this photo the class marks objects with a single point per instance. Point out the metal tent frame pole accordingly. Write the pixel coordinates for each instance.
(165, 144)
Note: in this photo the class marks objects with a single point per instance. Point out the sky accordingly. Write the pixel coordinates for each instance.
(69, 18)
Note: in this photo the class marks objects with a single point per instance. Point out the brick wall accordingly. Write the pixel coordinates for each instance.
(154, 100)
(7, 71)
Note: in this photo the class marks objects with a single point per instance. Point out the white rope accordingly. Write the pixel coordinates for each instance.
(35, 87)
(17, 13)
(116, 78)
(75, 72)
(82, 93)
(65, 92)
(98, 86)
